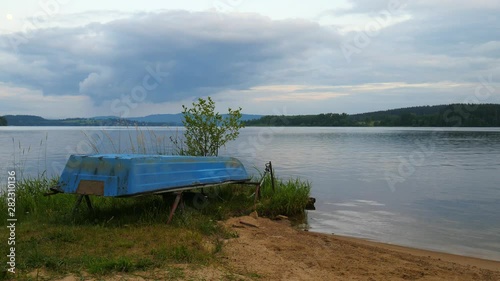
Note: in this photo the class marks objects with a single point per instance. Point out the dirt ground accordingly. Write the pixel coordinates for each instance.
(273, 250)
(276, 251)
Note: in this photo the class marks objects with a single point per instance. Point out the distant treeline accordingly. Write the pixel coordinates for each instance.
(150, 120)
(452, 115)
(30, 120)
(459, 115)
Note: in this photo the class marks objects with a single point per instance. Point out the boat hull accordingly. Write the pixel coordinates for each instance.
(119, 175)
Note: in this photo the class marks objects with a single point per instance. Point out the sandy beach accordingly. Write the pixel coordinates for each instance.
(266, 249)
(277, 251)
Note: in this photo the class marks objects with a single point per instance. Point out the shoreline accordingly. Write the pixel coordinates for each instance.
(275, 250)
(455, 258)
(264, 249)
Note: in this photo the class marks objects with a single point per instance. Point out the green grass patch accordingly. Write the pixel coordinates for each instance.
(289, 198)
(131, 234)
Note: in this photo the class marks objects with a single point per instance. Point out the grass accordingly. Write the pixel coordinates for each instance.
(289, 198)
(131, 234)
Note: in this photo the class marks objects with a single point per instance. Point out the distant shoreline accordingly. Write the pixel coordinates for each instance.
(451, 115)
(247, 126)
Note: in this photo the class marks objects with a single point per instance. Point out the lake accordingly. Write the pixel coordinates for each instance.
(430, 188)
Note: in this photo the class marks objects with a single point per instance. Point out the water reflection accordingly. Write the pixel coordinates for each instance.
(446, 197)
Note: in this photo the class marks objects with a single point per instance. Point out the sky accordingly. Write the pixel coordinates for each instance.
(68, 58)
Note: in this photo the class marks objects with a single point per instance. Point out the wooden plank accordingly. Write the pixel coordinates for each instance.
(90, 187)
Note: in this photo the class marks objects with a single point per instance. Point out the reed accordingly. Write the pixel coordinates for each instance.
(138, 141)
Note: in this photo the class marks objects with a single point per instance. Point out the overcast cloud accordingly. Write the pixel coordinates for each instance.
(416, 53)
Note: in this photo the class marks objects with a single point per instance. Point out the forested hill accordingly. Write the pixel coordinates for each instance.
(30, 120)
(452, 115)
(150, 120)
(460, 115)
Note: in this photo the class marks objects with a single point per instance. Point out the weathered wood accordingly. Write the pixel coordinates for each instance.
(79, 201)
(257, 193)
(89, 204)
(77, 204)
(254, 215)
(93, 187)
(310, 204)
(248, 223)
(272, 174)
(281, 217)
(174, 206)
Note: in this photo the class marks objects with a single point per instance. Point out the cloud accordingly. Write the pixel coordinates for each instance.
(306, 93)
(309, 99)
(18, 100)
(424, 55)
(371, 6)
(202, 53)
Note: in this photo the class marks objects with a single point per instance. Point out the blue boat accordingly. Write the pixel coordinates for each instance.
(120, 175)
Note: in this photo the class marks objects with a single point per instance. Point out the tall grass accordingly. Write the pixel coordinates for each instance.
(20, 156)
(128, 234)
(122, 235)
(289, 198)
(23, 154)
(144, 141)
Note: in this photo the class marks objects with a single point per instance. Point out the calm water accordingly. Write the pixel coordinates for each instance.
(432, 188)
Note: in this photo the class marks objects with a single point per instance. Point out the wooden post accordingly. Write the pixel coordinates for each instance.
(272, 174)
(78, 202)
(174, 207)
(257, 193)
(89, 204)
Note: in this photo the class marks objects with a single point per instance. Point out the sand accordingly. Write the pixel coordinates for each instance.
(273, 250)
(276, 251)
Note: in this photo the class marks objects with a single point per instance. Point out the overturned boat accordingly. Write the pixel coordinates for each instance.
(120, 175)
(125, 175)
